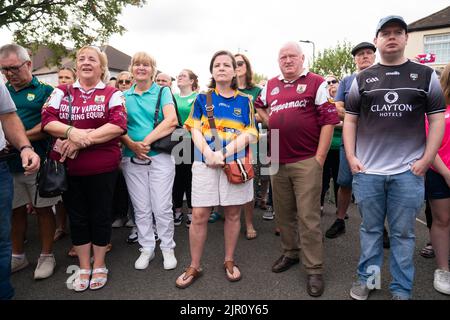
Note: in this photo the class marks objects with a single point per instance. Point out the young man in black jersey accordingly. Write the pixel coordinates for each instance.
(389, 153)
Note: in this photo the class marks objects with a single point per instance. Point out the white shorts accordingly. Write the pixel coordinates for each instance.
(210, 187)
(24, 192)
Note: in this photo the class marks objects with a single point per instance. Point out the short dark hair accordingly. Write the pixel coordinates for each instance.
(212, 84)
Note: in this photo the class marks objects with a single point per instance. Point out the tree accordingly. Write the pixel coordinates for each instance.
(58, 22)
(258, 77)
(337, 61)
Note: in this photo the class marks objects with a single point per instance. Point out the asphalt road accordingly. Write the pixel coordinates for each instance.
(254, 258)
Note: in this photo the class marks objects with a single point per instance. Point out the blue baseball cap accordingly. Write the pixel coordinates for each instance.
(388, 19)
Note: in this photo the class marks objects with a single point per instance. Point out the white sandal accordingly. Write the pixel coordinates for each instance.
(98, 282)
(80, 285)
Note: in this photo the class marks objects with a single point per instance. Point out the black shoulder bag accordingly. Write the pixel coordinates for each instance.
(167, 143)
(51, 180)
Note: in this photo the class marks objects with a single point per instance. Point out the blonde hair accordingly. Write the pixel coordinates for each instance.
(144, 57)
(103, 61)
(445, 83)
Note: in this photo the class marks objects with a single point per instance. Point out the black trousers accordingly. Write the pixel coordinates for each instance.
(89, 202)
(182, 184)
(121, 198)
(330, 169)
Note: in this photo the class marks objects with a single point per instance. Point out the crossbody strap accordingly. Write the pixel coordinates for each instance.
(212, 122)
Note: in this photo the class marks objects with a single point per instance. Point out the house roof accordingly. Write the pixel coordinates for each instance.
(437, 20)
(117, 60)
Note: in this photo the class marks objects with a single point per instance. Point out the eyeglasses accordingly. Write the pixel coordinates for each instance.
(332, 82)
(124, 81)
(141, 162)
(240, 63)
(13, 69)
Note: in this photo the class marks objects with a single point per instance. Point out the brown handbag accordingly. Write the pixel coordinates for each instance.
(238, 171)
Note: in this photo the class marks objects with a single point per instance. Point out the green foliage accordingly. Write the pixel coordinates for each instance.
(338, 61)
(60, 23)
(258, 77)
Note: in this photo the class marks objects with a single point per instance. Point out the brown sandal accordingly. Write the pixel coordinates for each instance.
(189, 272)
(229, 268)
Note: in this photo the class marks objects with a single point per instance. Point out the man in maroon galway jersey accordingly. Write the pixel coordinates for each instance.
(295, 103)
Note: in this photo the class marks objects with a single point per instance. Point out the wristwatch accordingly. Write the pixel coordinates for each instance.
(26, 146)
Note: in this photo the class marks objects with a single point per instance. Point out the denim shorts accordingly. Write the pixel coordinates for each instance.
(435, 186)
(345, 176)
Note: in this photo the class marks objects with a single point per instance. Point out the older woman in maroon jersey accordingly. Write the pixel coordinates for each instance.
(90, 149)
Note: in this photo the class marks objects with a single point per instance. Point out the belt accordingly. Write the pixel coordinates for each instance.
(8, 154)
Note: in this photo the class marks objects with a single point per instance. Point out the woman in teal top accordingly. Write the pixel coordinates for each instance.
(149, 175)
(187, 82)
(245, 85)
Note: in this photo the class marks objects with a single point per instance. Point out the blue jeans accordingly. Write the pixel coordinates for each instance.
(399, 198)
(345, 176)
(6, 197)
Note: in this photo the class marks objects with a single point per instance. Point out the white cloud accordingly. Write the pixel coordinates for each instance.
(186, 33)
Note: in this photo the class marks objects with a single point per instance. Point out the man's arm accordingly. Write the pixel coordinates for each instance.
(434, 140)
(326, 134)
(340, 107)
(264, 116)
(35, 133)
(15, 134)
(349, 136)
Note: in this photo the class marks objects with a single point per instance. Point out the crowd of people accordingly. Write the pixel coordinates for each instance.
(381, 134)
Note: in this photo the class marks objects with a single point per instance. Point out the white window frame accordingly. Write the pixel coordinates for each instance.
(443, 39)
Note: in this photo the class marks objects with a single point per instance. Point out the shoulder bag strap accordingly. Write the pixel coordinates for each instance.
(212, 122)
(158, 106)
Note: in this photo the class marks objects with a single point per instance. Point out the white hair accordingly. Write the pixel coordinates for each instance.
(293, 44)
(19, 51)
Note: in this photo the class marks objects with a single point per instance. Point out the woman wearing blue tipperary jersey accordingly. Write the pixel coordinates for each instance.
(149, 175)
(235, 124)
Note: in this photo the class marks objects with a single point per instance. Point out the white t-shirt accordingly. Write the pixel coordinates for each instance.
(6, 106)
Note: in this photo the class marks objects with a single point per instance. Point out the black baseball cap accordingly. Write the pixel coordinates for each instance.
(363, 45)
(388, 19)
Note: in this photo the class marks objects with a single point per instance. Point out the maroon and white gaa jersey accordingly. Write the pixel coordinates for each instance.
(90, 110)
(298, 109)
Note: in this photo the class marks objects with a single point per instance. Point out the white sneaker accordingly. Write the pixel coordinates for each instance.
(170, 262)
(45, 267)
(18, 263)
(144, 259)
(118, 223)
(442, 281)
(130, 224)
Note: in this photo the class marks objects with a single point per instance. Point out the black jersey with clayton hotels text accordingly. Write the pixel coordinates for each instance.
(391, 102)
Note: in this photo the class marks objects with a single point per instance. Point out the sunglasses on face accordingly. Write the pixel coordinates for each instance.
(330, 82)
(240, 63)
(13, 69)
(124, 81)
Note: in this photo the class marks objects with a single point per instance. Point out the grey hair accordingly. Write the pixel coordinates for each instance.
(19, 51)
(294, 44)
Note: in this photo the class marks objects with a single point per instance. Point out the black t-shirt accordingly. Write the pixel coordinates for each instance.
(391, 102)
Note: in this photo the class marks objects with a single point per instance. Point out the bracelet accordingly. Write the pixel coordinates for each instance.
(25, 147)
(66, 134)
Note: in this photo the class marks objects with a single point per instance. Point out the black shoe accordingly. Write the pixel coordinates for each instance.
(386, 242)
(336, 229)
(315, 285)
(284, 263)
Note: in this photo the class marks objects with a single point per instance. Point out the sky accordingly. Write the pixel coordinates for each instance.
(186, 33)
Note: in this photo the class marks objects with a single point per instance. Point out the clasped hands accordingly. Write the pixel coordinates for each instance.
(215, 159)
(77, 139)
